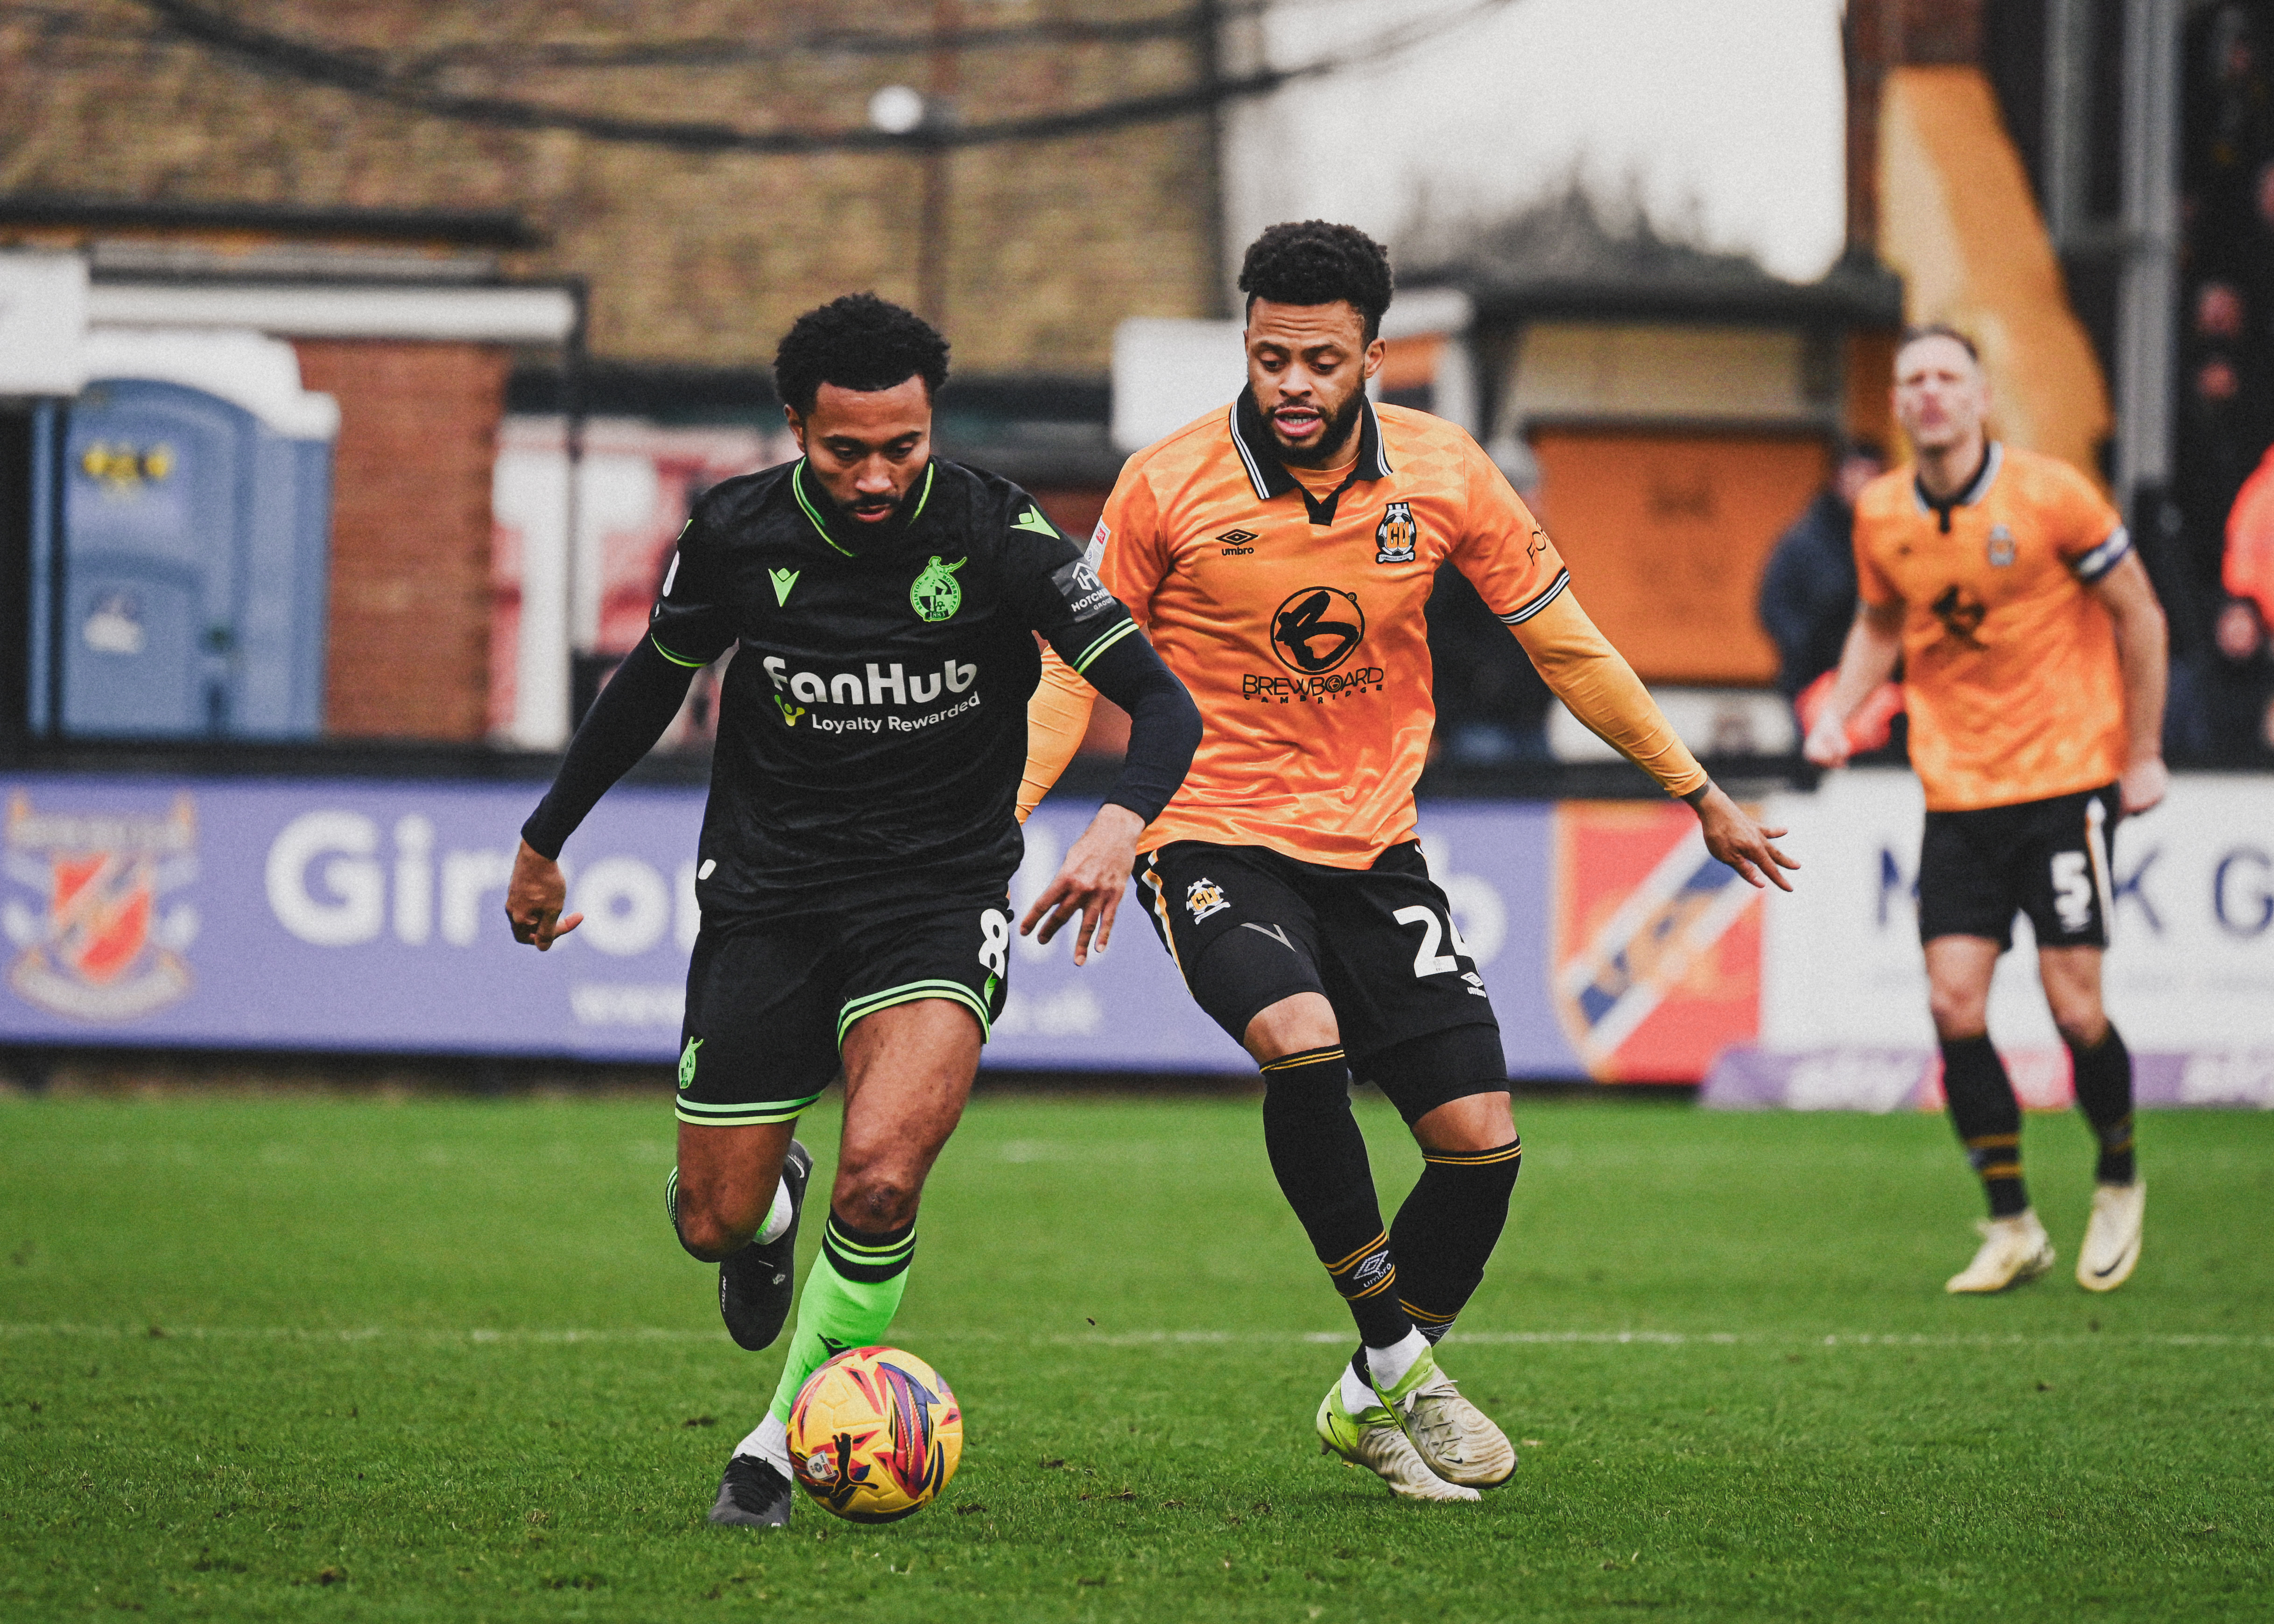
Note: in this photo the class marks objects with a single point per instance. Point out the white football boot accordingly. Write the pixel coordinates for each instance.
(1373, 1438)
(1455, 1439)
(2111, 1239)
(2013, 1250)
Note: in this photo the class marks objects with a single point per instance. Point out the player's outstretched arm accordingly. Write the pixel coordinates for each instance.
(2142, 644)
(1601, 688)
(1875, 643)
(1164, 730)
(623, 725)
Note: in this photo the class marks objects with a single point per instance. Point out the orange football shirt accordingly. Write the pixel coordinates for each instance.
(2009, 660)
(1306, 644)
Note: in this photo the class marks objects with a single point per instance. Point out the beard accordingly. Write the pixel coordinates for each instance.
(867, 535)
(1331, 444)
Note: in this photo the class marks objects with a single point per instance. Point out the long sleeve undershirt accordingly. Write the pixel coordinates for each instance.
(1597, 685)
(1165, 724)
(623, 725)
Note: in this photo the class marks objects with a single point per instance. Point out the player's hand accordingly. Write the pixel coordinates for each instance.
(1732, 836)
(1091, 882)
(534, 899)
(2145, 783)
(1826, 745)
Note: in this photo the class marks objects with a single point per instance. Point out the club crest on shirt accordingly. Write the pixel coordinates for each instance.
(934, 594)
(2002, 548)
(1204, 897)
(1395, 536)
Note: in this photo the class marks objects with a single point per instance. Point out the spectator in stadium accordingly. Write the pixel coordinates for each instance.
(1808, 591)
(2238, 694)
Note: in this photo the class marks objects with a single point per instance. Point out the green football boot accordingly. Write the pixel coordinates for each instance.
(1455, 1439)
(1374, 1440)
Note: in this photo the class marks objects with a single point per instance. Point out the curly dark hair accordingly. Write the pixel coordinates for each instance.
(1316, 262)
(859, 342)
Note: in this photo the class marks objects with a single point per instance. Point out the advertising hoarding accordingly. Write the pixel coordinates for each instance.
(363, 916)
(2188, 976)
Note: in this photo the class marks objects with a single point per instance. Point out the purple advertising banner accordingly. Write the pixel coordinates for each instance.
(362, 916)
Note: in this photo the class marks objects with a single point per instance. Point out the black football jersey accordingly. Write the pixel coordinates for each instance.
(872, 726)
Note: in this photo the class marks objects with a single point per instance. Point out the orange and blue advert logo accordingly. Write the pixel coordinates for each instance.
(100, 944)
(1656, 946)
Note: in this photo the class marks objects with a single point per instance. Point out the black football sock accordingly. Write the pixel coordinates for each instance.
(1319, 1157)
(1444, 1234)
(2103, 1093)
(1988, 1119)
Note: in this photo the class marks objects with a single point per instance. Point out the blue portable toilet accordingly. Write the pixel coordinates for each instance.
(194, 556)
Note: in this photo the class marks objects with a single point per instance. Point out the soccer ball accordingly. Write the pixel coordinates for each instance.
(874, 1434)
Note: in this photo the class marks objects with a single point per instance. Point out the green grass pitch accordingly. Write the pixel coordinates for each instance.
(341, 1358)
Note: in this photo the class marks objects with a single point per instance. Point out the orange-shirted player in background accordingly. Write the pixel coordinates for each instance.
(2033, 671)
(1279, 553)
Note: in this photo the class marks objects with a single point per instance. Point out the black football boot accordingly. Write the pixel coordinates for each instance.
(757, 1284)
(752, 1494)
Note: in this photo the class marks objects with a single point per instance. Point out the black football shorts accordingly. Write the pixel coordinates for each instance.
(770, 1001)
(1248, 926)
(2047, 858)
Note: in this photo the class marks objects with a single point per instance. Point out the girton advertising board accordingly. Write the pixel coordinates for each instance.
(361, 916)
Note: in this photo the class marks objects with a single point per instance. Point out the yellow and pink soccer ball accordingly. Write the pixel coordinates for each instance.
(875, 1434)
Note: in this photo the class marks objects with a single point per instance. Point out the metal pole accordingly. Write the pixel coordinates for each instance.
(934, 221)
(2068, 89)
(2147, 303)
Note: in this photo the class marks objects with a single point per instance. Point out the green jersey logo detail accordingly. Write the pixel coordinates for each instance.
(790, 712)
(935, 595)
(1033, 520)
(783, 580)
(687, 1064)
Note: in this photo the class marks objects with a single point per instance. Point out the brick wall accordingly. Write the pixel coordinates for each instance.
(694, 258)
(410, 535)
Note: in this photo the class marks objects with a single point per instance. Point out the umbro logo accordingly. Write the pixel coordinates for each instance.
(1236, 542)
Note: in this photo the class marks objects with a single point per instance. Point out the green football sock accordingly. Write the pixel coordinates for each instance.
(850, 1301)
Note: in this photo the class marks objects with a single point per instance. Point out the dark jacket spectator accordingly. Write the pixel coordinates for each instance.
(1808, 591)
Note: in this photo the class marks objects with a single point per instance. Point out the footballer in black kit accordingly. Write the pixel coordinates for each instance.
(871, 731)
(883, 607)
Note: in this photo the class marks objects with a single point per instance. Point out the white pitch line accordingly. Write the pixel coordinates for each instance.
(482, 1336)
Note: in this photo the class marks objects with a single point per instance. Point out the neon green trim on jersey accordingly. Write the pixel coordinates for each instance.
(797, 489)
(912, 992)
(675, 659)
(1082, 662)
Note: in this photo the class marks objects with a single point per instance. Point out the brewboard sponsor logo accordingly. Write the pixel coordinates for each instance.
(100, 944)
(1316, 629)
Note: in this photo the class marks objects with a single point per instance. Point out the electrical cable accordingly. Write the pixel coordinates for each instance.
(372, 75)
